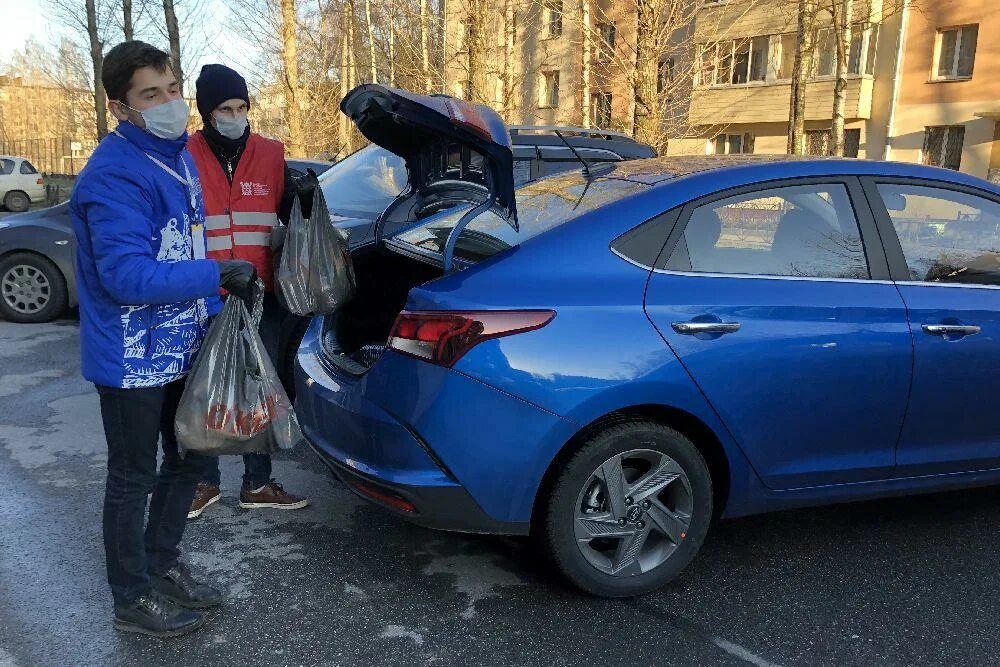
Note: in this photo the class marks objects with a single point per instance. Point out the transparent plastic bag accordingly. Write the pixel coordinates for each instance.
(233, 402)
(315, 274)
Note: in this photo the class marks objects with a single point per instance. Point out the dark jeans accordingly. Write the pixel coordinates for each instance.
(256, 467)
(135, 548)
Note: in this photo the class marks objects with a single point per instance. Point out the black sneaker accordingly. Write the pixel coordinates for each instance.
(178, 586)
(151, 615)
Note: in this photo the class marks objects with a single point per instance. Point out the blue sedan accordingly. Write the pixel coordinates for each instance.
(613, 358)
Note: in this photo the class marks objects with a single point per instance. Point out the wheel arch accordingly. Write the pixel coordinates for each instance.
(67, 280)
(703, 437)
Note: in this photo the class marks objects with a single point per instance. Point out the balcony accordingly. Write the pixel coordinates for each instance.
(767, 102)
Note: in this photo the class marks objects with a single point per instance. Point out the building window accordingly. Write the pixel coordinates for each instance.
(955, 52)
(732, 144)
(860, 53)
(817, 142)
(602, 110)
(852, 142)
(548, 90)
(552, 16)
(664, 75)
(943, 146)
(786, 55)
(734, 62)
(606, 48)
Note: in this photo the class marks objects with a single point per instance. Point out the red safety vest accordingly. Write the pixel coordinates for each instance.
(240, 216)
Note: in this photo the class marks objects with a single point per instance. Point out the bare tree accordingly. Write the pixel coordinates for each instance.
(371, 41)
(174, 36)
(128, 27)
(289, 54)
(97, 59)
(586, 60)
(842, 11)
(804, 45)
(425, 49)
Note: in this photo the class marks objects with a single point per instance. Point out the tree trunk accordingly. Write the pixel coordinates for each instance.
(477, 54)
(510, 38)
(97, 60)
(646, 115)
(425, 50)
(290, 59)
(343, 122)
(842, 17)
(127, 26)
(800, 72)
(371, 40)
(587, 38)
(174, 35)
(392, 54)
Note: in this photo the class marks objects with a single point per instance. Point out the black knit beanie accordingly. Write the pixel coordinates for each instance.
(215, 85)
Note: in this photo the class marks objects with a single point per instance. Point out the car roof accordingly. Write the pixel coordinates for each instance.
(11, 157)
(732, 169)
(579, 137)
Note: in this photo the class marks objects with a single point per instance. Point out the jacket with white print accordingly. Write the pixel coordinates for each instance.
(144, 300)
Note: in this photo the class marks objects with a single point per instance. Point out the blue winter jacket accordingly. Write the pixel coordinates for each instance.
(144, 299)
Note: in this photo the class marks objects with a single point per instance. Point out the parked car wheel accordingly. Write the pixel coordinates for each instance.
(630, 510)
(32, 289)
(16, 201)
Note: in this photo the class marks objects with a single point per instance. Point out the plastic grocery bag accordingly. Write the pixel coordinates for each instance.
(234, 402)
(315, 274)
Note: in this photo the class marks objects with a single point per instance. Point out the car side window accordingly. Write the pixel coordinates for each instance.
(27, 168)
(6, 167)
(807, 231)
(947, 236)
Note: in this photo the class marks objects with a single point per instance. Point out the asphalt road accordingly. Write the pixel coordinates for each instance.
(906, 581)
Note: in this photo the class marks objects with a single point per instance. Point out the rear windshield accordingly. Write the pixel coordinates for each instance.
(363, 184)
(541, 205)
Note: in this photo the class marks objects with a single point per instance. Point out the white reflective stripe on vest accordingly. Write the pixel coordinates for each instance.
(218, 243)
(255, 219)
(216, 222)
(252, 238)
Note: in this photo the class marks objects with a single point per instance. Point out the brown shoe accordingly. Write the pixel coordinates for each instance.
(273, 496)
(204, 495)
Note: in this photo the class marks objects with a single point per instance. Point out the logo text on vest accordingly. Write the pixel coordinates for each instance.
(251, 189)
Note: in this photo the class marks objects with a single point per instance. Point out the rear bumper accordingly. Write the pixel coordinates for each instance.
(440, 507)
(464, 455)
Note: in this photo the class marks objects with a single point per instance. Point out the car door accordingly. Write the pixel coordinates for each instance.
(6, 177)
(776, 299)
(943, 244)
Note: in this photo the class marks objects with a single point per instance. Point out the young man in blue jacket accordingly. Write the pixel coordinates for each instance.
(146, 293)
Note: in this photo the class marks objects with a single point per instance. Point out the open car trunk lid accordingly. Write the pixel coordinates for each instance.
(454, 151)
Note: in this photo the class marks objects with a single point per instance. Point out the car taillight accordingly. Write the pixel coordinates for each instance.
(41, 182)
(443, 337)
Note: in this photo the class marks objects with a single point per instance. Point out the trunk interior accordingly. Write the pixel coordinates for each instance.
(355, 336)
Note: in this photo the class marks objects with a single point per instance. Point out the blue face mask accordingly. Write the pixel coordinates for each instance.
(167, 121)
(230, 128)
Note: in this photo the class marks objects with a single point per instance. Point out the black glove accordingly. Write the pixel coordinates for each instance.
(304, 188)
(239, 277)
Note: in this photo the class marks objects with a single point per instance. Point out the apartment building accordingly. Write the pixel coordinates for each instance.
(947, 105)
(542, 58)
(745, 51)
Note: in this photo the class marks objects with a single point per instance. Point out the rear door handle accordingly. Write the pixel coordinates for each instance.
(692, 328)
(951, 329)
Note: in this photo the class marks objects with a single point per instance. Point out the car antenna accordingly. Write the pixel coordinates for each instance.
(586, 167)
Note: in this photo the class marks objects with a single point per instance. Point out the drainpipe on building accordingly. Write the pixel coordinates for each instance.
(896, 80)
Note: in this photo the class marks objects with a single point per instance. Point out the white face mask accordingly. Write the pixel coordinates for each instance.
(231, 128)
(167, 121)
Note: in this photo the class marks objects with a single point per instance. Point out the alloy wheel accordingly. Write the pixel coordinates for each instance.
(633, 512)
(26, 289)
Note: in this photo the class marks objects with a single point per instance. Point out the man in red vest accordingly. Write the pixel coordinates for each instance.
(246, 186)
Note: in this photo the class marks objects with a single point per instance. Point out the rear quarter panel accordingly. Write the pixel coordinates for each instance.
(599, 355)
(43, 236)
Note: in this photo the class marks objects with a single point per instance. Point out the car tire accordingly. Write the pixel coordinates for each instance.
(577, 517)
(16, 201)
(32, 289)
